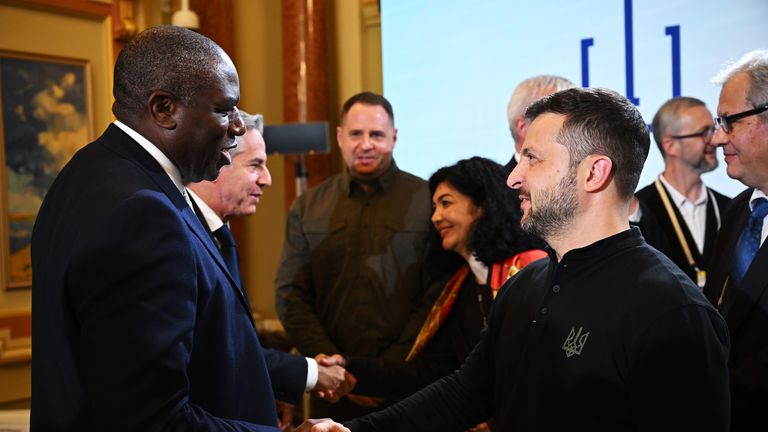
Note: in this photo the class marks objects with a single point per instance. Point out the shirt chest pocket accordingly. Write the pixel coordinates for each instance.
(325, 236)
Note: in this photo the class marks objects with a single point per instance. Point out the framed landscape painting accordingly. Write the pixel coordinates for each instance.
(46, 118)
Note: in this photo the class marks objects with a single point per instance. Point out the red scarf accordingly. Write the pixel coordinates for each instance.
(499, 274)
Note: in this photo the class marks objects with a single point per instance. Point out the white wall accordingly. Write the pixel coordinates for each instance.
(450, 66)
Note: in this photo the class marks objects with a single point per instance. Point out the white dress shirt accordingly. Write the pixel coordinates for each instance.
(694, 212)
(159, 156)
(757, 193)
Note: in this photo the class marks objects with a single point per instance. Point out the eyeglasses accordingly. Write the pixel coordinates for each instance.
(726, 122)
(705, 134)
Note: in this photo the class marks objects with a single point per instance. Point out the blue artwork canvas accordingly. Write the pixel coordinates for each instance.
(45, 119)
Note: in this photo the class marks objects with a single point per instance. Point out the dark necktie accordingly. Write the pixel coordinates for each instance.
(228, 251)
(749, 242)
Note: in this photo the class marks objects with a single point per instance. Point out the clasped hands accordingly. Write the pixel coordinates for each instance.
(333, 381)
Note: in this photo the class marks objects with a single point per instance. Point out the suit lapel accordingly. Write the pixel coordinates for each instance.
(753, 289)
(207, 228)
(202, 234)
(122, 144)
(746, 297)
(711, 231)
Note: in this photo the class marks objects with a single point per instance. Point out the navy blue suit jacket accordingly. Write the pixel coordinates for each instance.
(137, 324)
(747, 318)
(287, 372)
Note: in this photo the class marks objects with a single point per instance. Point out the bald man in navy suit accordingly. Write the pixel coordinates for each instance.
(138, 324)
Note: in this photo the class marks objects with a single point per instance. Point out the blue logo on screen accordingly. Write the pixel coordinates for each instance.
(672, 31)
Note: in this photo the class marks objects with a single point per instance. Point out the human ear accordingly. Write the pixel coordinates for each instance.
(521, 125)
(600, 172)
(670, 146)
(163, 107)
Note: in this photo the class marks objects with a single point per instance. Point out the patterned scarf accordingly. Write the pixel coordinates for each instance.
(499, 274)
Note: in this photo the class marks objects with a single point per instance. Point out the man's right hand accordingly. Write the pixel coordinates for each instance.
(326, 360)
(333, 381)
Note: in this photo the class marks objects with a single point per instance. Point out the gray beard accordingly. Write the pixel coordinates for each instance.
(703, 167)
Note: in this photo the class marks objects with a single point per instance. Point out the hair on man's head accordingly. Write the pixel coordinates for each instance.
(528, 91)
(755, 65)
(666, 120)
(600, 122)
(371, 99)
(168, 58)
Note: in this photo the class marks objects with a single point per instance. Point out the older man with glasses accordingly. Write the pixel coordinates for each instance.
(738, 282)
(683, 213)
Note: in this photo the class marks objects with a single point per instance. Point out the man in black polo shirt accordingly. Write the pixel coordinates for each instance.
(605, 335)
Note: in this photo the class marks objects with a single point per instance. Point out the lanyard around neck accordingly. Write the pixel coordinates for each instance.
(700, 274)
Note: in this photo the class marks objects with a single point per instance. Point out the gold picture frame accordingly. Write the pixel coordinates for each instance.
(47, 115)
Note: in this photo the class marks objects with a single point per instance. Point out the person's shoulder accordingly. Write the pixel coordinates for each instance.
(719, 195)
(743, 197)
(737, 205)
(405, 182)
(660, 281)
(647, 192)
(722, 199)
(405, 176)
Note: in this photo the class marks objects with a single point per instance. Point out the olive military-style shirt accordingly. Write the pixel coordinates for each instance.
(352, 277)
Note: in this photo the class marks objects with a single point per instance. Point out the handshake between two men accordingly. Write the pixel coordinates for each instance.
(333, 381)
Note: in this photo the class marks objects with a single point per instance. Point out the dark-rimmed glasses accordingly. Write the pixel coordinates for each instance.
(706, 134)
(726, 122)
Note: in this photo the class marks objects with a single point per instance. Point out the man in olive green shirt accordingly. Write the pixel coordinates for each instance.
(351, 279)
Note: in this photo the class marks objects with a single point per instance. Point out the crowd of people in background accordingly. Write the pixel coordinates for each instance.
(546, 294)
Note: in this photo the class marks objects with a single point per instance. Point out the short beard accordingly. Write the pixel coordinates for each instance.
(704, 167)
(556, 208)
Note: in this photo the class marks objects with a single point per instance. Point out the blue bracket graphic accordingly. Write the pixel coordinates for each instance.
(628, 47)
(585, 44)
(674, 33)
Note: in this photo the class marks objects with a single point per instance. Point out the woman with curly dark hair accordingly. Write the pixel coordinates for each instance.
(477, 240)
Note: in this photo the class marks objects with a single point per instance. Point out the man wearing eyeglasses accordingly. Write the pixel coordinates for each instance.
(738, 281)
(685, 214)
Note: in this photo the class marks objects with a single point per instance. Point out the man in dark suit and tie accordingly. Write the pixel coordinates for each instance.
(138, 324)
(236, 192)
(738, 277)
(683, 212)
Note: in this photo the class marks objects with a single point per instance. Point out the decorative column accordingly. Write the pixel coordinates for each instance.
(217, 22)
(305, 83)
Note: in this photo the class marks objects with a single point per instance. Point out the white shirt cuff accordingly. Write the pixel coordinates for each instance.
(311, 374)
